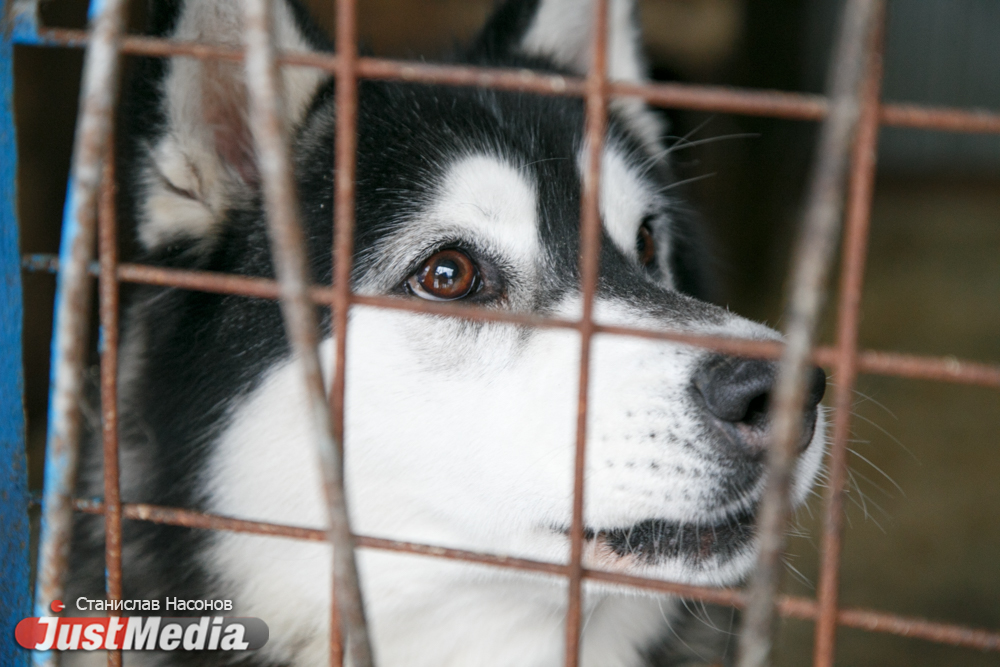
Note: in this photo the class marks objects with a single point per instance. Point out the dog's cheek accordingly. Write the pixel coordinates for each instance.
(467, 432)
(811, 462)
(645, 458)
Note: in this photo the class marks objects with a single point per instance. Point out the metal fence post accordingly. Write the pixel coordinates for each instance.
(73, 293)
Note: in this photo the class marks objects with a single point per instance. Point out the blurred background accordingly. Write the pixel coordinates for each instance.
(924, 519)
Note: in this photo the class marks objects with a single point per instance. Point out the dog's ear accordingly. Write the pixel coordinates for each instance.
(562, 32)
(201, 157)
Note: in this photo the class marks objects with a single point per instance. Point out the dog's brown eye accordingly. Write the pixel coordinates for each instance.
(445, 276)
(645, 245)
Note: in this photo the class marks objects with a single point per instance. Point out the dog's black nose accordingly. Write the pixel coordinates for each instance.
(737, 393)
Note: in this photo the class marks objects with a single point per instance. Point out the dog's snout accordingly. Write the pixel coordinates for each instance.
(736, 390)
(737, 393)
(817, 387)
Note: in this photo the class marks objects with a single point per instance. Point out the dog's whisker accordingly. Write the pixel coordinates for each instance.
(869, 399)
(877, 469)
(697, 128)
(705, 618)
(798, 575)
(861, 501)
(708, 140)
(887, 434)
(867, 498)
(685, 181)
(873, 483)
(860, 496)
(547, 159)
(806, 507)
(695, 652)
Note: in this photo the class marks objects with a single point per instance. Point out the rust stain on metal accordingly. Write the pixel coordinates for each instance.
(789, 606)
(720, 99)
(342, 261)
(860, 192)
(940, 118)
(298, 310)
(98, 96)
(875, 362)
(726, 99)
(108, 294)
(590, 239)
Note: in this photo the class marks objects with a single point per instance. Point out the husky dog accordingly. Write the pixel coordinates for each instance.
(458, 433)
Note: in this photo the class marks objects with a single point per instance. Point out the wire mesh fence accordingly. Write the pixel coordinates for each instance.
(843, 180)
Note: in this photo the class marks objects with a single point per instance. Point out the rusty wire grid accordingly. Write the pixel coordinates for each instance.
(108, 313)
(853, 111)
(92, 144)
(289, 252)
(813, 256)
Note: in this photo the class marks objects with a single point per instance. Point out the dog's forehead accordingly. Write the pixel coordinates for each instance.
(497, 200)
(420, 140)
(626, 197)
(500, 171)
(492, 199)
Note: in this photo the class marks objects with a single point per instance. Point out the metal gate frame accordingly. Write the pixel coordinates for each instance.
(851, 115)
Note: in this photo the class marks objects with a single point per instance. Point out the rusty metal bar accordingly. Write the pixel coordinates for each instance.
(789, 606)
(947, 369)
(288, 249)
(719, 99)
(98, 96)
(590, 247)
(521, 80)
(192, 519)
(858, 216)
(108, 295)
(875, 362)
(812, 259)
(917, 628)
(343, 248)
(943, 369)
(943, 119)
(727, 99)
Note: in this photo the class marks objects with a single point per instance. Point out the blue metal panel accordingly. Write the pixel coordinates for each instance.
(22, 21)
(15, 594)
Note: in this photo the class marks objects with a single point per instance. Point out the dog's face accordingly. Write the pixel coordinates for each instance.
(457, 433)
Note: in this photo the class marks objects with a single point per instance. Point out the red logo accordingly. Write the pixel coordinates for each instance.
(137, 633)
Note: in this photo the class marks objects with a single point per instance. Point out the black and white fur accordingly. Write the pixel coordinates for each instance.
(457, 433)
